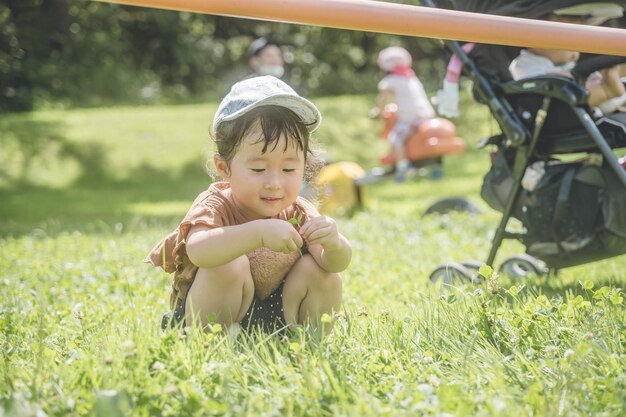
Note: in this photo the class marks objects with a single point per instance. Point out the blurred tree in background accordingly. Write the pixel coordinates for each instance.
(82, 53)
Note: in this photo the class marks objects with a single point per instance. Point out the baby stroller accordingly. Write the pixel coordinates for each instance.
(571, 212)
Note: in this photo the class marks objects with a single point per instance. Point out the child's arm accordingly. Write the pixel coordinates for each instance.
(328, 247)
(384, 97)
(212, 247)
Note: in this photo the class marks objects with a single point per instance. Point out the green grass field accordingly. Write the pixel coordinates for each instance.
(85, 194)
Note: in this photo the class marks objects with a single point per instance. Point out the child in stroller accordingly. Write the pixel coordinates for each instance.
(606, 91)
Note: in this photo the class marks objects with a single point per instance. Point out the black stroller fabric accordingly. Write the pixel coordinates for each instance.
(576, 214)
(528, 9)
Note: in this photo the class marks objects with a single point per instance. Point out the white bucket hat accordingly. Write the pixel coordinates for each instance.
(265, 91)
(391, 57)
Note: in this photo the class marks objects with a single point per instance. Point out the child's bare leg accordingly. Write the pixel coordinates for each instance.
(398, 152)
(225, 292)
(309, 292)
(612, 84)
(398, 137)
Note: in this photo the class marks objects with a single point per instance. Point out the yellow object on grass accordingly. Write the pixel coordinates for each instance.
(337, 193)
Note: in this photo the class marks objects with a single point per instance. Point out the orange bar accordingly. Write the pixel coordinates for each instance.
(401, 19)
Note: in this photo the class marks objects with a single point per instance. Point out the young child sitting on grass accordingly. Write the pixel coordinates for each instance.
(251, 250)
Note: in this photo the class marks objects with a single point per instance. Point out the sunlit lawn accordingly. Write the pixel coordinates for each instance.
(86, 193)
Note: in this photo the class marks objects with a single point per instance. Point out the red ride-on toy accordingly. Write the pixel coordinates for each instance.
(427, 145)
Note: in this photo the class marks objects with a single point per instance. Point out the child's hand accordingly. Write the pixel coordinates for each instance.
(280, 236)
(374, 113)
(321, 230)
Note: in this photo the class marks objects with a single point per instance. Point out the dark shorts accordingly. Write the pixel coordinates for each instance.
(265, 314)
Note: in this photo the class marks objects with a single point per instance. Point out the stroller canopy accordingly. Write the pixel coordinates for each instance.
(535, 9)
(493, 60)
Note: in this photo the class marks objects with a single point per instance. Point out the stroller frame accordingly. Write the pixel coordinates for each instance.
(516, 135)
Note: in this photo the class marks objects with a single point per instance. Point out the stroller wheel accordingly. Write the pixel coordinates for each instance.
(522, 266)
(474, 266)
(451, 274)
(446, 205)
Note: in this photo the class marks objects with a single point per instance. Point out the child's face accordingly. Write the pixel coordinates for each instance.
(268, 62)
(263, 184)
(270, 55)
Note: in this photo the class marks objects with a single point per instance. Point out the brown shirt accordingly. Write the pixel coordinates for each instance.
(213, 209)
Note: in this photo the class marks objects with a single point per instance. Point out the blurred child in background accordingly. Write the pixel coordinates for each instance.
(266, 58)
(402, 87)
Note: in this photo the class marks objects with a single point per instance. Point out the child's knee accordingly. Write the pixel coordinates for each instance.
(308, 264)
(234, 272)
(332, 284)
(329, 284)
(319, 277)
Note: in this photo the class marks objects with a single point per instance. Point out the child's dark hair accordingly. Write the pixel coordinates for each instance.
(275, 122)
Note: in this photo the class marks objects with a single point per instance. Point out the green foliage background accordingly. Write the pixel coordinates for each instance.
(79, 52)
